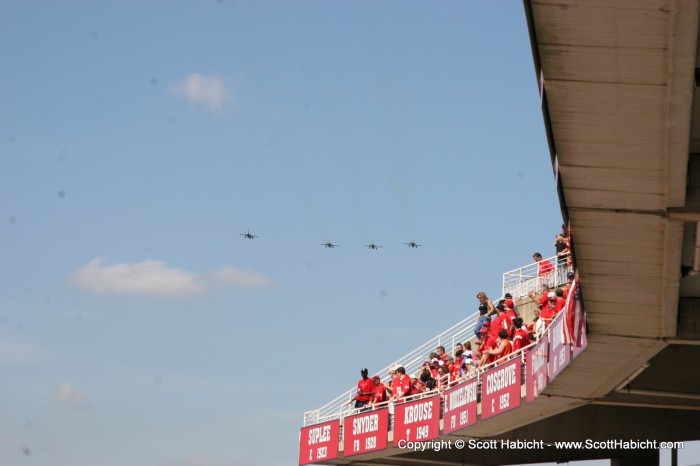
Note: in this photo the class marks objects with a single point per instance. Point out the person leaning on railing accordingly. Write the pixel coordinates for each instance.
(503, 349)
(401, 385)
(379, 394)
(486, 311)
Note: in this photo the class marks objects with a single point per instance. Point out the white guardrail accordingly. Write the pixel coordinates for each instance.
(518, 282)
(525, 280)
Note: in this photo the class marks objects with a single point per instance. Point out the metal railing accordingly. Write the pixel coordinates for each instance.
(525, 280)
(518, 283)
(339, 407)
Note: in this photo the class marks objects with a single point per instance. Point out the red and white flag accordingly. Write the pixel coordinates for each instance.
(572, 332)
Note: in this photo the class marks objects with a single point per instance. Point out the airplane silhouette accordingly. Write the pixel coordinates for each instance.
(412, 244)
(372, 246)
(248, 235)
(329, 245)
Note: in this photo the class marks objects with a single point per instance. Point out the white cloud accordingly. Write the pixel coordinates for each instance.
(244, 278)
(209, 91)
(145, 278)
(155, 278)
(71, 397)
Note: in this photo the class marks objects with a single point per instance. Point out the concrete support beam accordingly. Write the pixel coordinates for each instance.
(688, 319)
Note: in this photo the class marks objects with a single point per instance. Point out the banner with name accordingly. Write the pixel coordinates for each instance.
(559, 351)
(460, 406)
(319, 442)
(500, 389)
(365, 432)
(536, 367)
(417, 421)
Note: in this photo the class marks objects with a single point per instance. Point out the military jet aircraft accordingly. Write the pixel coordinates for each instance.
(372, 246)
(248, 235)
(412, 244)
(329, 245)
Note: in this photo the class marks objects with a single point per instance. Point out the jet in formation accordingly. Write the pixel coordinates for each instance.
(412, 244)
(329, 245)
(249, 235)
(372, 246)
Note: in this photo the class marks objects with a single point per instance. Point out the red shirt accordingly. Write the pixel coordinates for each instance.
(417, 387)
(545, 267)
(491, 343)
(401, 387)
(506, 350)
(561, 303)
(496, 325)
(547, 314)
(364, 386)
(521, 339)
(379, 395)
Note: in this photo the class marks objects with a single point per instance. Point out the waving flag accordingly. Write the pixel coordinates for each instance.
(574, 328)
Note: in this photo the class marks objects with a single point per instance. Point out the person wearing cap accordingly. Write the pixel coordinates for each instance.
(570, 280)
(379, 394)
(365, 389)
(510, 306)
(487, 341)
(549, 310)
(542, 299)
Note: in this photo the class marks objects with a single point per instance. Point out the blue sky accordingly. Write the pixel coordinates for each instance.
(139, 139)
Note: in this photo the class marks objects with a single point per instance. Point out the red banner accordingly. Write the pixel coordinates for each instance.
(460, 406)
(365, 432)
(319, 442)
(500, 389)
(417, 421)
(536, 369)
(559, 352)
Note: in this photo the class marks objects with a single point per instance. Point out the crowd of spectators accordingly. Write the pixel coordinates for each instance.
(499, 332)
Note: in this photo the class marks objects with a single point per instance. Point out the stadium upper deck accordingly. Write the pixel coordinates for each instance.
(618, 82)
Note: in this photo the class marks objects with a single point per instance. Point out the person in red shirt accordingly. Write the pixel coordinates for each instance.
(549, 310)
(488, 344)
(497, 322)
(417, 386)
(510, 309)
(388, 384)
(500, 322)
(365, 389)
(503, 347)
(401, 385)
(544, 270)
(561, 301)
(520, 337)
(506, 320)
(442, 355)
(379, 395)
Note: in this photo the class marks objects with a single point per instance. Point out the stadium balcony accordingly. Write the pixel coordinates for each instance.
(338, 434)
